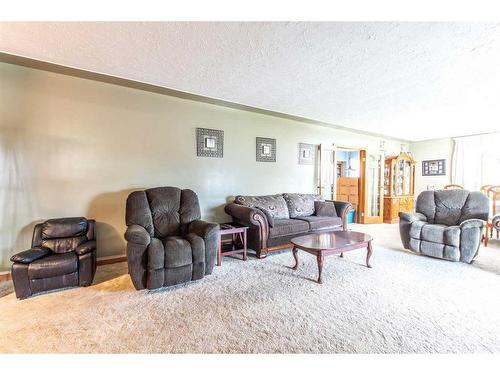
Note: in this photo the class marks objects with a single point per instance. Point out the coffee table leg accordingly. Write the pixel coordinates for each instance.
(319, 257)
(368, 254)
(245, 245)
(341, 255)
(296, 257)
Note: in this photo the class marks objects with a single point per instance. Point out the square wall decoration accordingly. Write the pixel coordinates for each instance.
(306, 153)
(209, 143)
(434, 167)
(266, 149)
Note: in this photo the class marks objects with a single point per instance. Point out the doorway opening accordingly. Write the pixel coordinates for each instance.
(348, 179)
(355, 175)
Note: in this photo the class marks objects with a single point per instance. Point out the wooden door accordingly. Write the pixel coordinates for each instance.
(372, 167)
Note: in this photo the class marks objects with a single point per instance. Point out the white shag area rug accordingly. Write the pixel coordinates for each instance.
(405, 304)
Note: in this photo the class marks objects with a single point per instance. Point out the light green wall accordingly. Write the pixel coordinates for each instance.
(71, 146)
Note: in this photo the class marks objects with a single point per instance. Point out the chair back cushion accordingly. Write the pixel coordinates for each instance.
(301, 205)
(451, 207)
(163, 211)
(64, 235)
(274, 204)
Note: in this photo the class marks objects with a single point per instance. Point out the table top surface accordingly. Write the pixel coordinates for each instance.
(235, 228)
(331, 240)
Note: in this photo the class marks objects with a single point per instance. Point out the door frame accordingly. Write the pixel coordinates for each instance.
(364, 219)
(362, 178)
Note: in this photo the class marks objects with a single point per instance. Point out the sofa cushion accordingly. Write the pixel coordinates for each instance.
(53, 265)
(164, 203)
(449, 205)
(177, 252)
(275, 204)
(63, 245)
(325, 209)
(64, 227)
(433, 233)
(284, 227)
(322, 222)
(441, 251)
(476, 207)
(300, 205)
(441, 234)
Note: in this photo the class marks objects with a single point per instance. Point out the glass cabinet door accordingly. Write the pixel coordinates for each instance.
(374, 188)
(407, 179)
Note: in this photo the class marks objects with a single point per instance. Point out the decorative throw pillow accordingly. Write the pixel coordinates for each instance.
(301, 205)
(325, 209)
(269, 217)
(274, 204)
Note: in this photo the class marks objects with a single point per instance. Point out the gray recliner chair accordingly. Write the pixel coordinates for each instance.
(447, 224)
(167, 244)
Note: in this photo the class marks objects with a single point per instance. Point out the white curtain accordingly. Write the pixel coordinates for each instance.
(475, 161)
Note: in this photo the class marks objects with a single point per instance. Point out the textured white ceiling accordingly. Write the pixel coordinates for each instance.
(413, 81)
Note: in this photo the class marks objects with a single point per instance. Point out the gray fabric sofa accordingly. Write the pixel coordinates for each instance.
(273, 220)
(167, 243)
(447, 224)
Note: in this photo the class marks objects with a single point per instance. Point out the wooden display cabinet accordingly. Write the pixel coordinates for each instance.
(399, 186)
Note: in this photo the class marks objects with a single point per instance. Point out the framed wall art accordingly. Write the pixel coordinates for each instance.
(265, 149)
(209, 143)
(306, 153)
(434, 167)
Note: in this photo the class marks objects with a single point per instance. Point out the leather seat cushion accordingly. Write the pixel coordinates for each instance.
(322, 222)
(53, 265)
(283, 227)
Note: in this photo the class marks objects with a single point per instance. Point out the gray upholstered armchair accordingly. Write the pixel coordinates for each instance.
(447, 224)
(167, 244)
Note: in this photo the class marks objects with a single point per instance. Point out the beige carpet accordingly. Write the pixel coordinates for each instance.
(405, 303)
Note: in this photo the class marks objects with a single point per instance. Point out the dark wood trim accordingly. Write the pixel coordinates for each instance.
(99, 77)
(6, 276)
(118, 259)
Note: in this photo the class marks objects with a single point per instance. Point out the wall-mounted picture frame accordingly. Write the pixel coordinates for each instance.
(209, 143)
(265, 149)
(306, 153)
(434, 167)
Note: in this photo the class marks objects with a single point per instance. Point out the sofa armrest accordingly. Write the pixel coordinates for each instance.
(342, 209)
(203, 229)
(138, 235)
(412, 216)
(246, 215)
(472, 223)
(30, 255)
(86, 247)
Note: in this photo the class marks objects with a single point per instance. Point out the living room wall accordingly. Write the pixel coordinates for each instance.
(77, 147)
(432, 150)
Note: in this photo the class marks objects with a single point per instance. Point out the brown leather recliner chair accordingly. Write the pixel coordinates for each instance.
(167, 243)
(62, 254)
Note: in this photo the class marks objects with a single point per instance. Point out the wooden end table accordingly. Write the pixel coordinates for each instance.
(329, 243)
(237, 233)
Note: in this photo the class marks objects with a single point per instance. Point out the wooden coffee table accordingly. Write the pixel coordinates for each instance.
(329, 243)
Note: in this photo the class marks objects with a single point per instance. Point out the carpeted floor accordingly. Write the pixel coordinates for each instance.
(405, 304)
